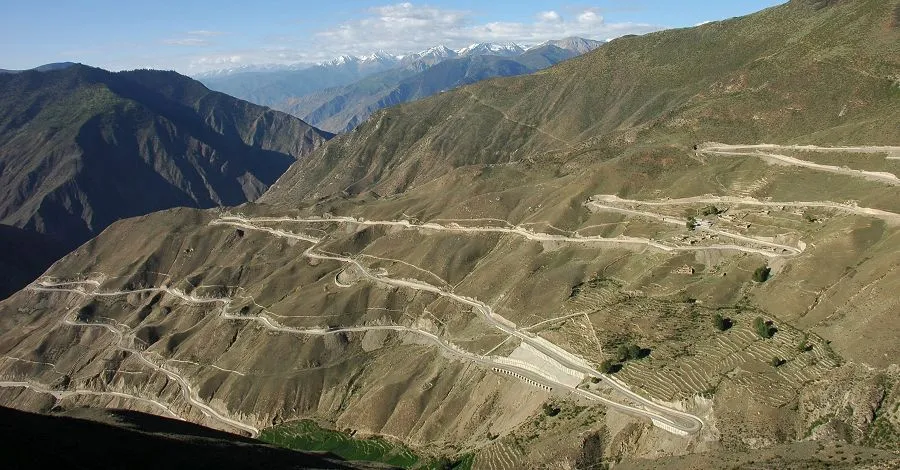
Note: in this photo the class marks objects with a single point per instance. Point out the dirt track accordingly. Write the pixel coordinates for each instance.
(757, 150)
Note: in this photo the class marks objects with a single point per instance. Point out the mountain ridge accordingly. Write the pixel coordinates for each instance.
(61, 130)
(363, 84)
(555, 269)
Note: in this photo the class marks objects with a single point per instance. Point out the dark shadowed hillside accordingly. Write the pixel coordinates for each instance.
(25, 255)
(96, 439)
(81, 147)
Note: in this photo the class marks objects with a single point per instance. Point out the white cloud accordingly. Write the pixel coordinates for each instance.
(220, 60)
(590, 17)
(549, 16)
(204, 33)
(196, 38)
(410, 27)
(193, 42)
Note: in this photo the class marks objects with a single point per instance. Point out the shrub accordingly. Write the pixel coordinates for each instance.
(804, 345)
(629, 351)
(622, 353)
(761, 274)
(763, 328)
(710, 210)
(634, 351)
(550, 409)
(721, 323)
(690, 223)
(605, 367)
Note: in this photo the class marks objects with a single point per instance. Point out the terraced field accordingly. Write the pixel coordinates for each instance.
(499, 456)
(306, 435)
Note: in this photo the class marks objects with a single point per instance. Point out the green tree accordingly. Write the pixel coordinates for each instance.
(761, 274)
(710, 210)
(719, 322)
(622, 353)
(551, 410)
(634, 351)
(690, 223)
(763, 328)
(606, 367)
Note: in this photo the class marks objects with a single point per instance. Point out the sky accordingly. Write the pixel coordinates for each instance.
(194, 36)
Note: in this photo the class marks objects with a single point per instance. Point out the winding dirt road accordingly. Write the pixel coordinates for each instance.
(627, 241)
(667, 418)
(63, 394)
(684, 422)
(595, 204)
(887, 216)
(764, 151)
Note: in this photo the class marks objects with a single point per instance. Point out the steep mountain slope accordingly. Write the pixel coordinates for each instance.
(342, 109)
(83, 438)
(561, 269)
(677, 87)
(82, 147)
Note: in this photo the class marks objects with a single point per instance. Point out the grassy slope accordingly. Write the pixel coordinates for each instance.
(741, 80)
(307, 436)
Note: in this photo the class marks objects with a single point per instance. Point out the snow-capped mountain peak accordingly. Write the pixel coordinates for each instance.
(381, 60)
(489, 48)
(379, 56)
(342, 60)
(574, 44)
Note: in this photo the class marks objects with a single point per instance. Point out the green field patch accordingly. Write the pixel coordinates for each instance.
(306, 435)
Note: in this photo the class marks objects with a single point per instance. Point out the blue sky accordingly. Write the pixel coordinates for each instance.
(193, 36)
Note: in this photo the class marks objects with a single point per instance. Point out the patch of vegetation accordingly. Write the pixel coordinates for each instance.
(631, 351)
(721, 323)
(594, 282)
(765, 329)
(777, 361)
(551, 409)
(86, 313)
(761, 274)
(306, 435)
(710, 210)
(803, 345)
(818, 422)
(591, 455)
(691, 223)
(606, 367)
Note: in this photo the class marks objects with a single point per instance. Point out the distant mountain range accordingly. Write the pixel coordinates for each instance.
(43, 68)
(338, 95)
(82, 147)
